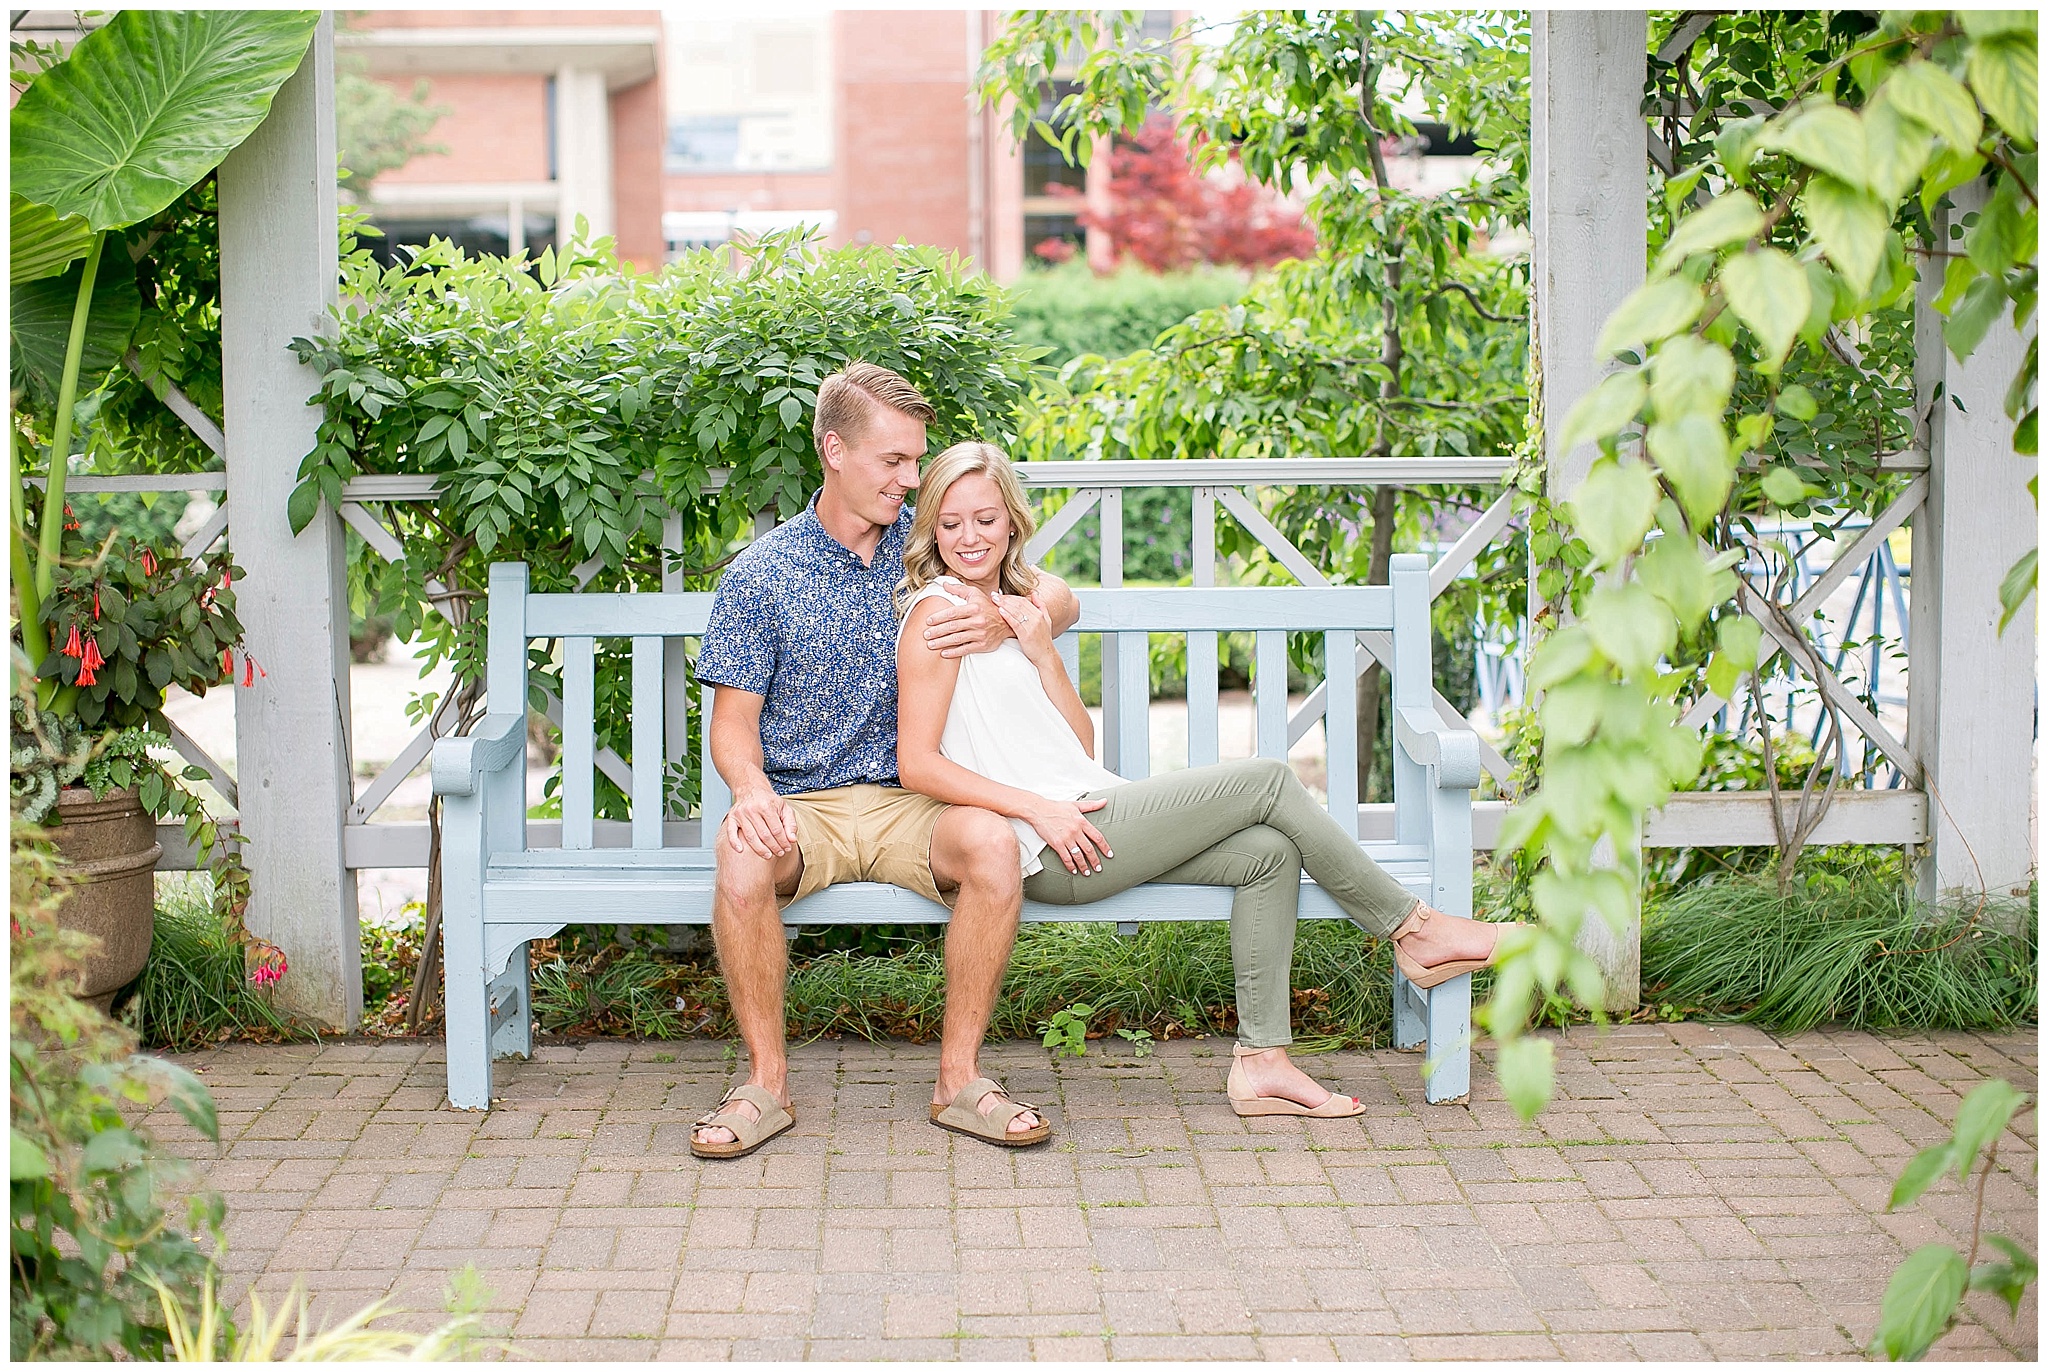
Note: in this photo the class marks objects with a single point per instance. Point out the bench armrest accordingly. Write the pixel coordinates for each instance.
(1451, 751)
(460, 763)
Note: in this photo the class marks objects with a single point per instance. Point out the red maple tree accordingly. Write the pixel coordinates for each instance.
(1167, 215)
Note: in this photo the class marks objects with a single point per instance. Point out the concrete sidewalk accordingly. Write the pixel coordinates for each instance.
(1696, 1191)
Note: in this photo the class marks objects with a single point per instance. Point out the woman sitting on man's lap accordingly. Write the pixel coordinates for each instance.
(1006, 731)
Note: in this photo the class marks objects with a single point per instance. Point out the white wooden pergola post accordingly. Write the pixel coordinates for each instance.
(1971, 693)
(279, 275)
(1589, 224)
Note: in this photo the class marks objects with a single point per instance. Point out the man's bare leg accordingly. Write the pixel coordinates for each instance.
(976, 851)
(753, 956)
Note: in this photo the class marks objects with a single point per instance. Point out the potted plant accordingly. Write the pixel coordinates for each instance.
(127, 623)
(104, 140)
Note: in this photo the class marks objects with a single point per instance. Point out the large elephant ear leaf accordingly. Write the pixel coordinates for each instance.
(147, 105)
(41, 242)
(39, 325)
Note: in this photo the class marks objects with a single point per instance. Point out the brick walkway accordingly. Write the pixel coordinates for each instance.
(1695, 1192)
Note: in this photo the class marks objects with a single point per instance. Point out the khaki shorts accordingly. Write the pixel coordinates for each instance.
(866, 833)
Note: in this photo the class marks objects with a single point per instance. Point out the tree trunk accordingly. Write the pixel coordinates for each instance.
(1392, 355)
(1369, 693)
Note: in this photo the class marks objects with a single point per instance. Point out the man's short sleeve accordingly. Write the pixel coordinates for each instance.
(739, 642)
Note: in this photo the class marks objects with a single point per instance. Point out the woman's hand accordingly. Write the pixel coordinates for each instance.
(1028, 621)
(1080, 845)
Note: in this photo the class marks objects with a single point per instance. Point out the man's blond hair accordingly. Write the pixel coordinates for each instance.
(847, 400)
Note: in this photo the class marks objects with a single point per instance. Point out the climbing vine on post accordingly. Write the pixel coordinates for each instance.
(1810, 216)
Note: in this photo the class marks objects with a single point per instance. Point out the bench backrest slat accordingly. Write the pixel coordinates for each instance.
(1133, 707)
(1203, 738)
(579, 702)
(1269, 682)
(648, 759)
(1340, 727)
(1409, 576)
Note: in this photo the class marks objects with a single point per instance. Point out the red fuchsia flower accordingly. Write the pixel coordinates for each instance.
(248, 670)
(227, 663)
(91, 660)
(148, 562)
(69, 522)
(95, 602)
(71, 647)
(270, 963)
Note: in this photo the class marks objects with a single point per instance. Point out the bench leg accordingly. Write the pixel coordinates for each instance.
(462, 954)
(1447, 1053)
(469, 1030)
(1411, 1014)
(509, 1001)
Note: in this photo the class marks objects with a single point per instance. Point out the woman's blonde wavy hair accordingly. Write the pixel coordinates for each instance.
(922, 564)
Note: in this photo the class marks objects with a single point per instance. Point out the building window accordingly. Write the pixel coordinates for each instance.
(704, 142)
(479, 235)
(1045, 171)
(748, 94)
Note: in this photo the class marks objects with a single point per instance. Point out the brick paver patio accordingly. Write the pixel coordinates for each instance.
(1696, 1191)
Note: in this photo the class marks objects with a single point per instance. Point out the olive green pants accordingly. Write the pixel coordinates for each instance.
(1245, 824)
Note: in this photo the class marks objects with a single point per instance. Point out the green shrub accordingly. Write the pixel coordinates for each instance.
(97, 1230)
(1852, 947)
(1072, 311)
(195, 988)
(538, 394)
(391, 954)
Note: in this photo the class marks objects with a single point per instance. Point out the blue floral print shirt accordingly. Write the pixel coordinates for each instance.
(802, 622)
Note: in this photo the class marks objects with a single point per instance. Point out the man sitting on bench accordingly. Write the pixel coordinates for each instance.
(801, 648)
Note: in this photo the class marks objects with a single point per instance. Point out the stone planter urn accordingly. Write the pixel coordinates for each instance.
(111, 846)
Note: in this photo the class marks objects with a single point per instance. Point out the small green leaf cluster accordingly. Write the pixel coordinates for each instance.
(1927, 1290)
(1735, 287)
(96, 1221)
(1066, 1033)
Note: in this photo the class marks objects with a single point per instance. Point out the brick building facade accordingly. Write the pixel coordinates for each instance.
(671, 130)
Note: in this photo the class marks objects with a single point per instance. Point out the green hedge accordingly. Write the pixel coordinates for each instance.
(1072, 311)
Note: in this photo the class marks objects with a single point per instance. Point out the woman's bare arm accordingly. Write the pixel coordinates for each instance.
(924, 693)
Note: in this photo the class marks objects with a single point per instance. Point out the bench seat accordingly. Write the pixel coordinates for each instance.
(499, 893)
(673, 886)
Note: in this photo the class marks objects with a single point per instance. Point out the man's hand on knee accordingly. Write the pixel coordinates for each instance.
(748, 879)
(761, 823)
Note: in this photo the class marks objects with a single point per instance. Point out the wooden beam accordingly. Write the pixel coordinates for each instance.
(278, 281)
(1590, 226)
(1971, 694)
(1742, 819)
(1278, 471)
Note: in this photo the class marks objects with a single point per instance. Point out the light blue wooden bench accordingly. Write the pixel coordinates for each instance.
(500, 890)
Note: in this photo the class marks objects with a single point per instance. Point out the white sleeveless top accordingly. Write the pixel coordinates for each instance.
(1003, 725)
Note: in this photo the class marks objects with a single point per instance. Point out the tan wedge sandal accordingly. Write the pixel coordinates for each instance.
(1421, 977)
(1248, 1102)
